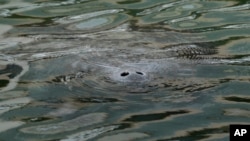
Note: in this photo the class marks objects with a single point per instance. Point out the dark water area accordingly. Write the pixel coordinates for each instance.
(143, 70)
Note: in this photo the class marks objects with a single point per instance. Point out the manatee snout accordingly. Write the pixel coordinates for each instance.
(133, 76)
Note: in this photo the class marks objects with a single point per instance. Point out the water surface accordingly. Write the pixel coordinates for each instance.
(74, 70)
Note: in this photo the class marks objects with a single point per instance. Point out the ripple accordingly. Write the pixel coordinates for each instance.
(100, 23)
(52, 10)
(154, 116)
(158, 8)
(235, 47)
(17, 7)
(192, 17)
(20, 21)
(128, 1)
(7, 125)
(11, 42)
(13, 94)
(3, 83)
(237, 112)
(86, 16)
(8, 105)
(124, 136)
(205, 133)
(97, 100)
(237, 99)
(237, 26)
(69, 125)
(160, 16)
(4, 12)
(176, 12)
(232, 8)
(12, 72)
(91, 23)
(211, 21)
(4, 28)
(89, 134)
(35, 119)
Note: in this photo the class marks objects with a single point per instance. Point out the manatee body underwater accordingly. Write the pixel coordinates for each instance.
(125, 64)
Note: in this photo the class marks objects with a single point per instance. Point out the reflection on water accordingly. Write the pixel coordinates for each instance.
(77, 70)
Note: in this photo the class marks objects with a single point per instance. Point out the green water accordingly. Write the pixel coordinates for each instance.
(149, 70)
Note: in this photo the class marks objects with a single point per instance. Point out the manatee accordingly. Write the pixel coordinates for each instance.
(131, 62)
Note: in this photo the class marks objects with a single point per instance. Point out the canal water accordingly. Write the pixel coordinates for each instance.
(142, 70)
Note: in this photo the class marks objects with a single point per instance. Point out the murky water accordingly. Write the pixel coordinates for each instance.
(75, 70)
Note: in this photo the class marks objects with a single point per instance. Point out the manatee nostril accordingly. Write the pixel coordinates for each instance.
(139, 73)
(124, 74)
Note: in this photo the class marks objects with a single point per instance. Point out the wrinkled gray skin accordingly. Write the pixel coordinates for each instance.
(127, 61)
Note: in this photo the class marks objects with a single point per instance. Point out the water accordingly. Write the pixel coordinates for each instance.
(158, 70)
